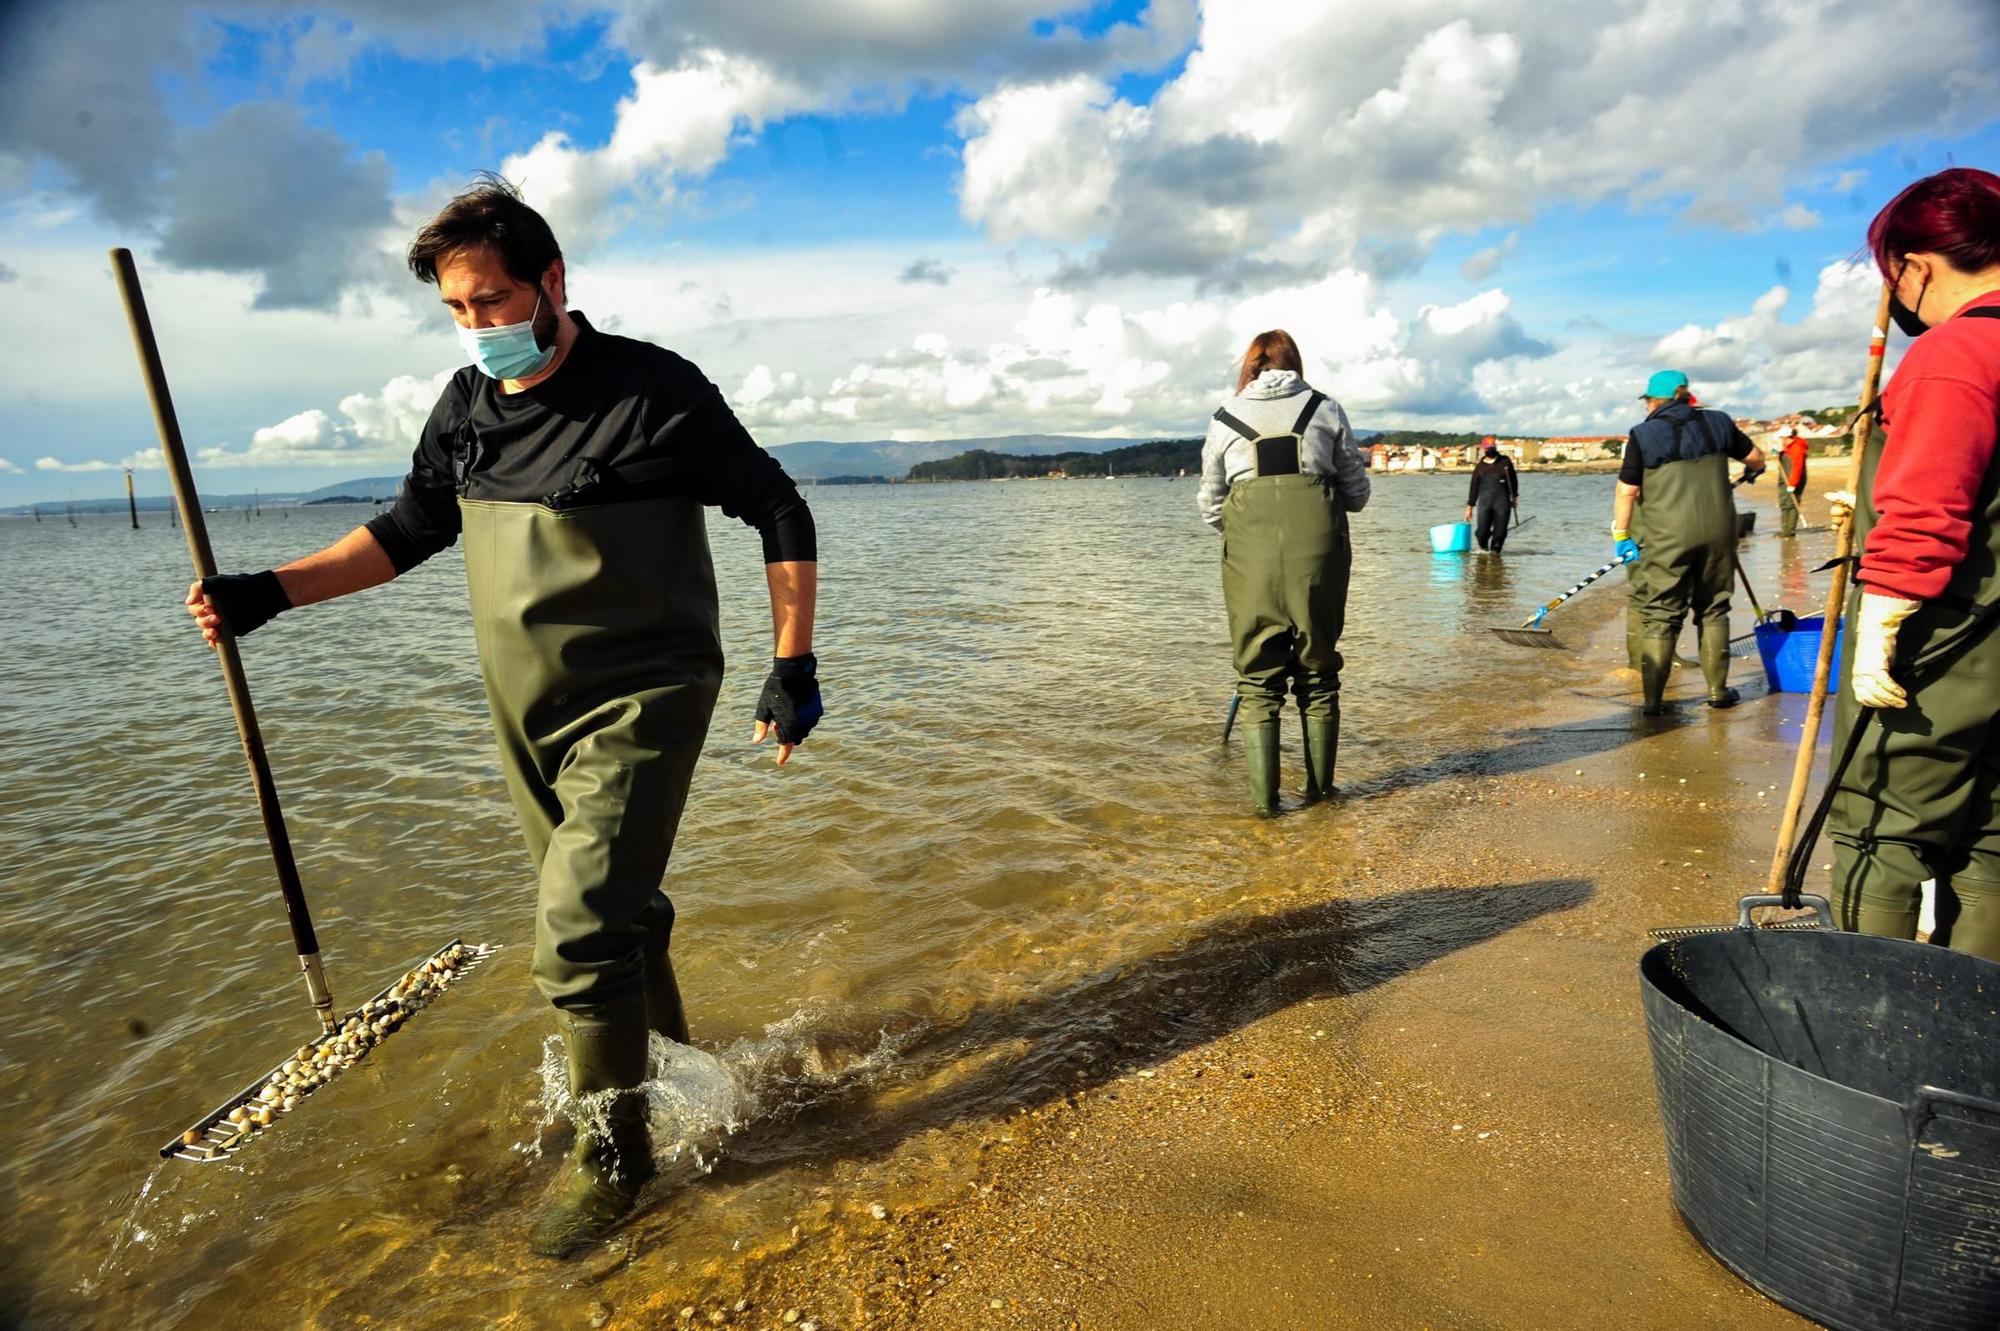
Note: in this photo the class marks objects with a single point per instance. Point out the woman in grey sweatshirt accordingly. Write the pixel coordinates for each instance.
(1279, 476)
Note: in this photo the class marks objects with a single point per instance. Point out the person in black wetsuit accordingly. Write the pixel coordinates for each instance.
(577, 464)
(1494, 495)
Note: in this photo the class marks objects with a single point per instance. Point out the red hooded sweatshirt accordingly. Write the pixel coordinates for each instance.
(1942, 415)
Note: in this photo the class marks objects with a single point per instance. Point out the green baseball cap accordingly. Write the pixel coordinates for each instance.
(1665, 383)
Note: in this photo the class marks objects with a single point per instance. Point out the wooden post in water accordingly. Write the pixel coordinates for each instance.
(131, 499)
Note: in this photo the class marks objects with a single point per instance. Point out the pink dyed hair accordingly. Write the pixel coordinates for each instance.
(1955, 213)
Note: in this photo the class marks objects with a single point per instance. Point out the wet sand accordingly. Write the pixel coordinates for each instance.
(1431, 1105)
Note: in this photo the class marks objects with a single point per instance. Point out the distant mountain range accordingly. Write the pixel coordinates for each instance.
(814, 460)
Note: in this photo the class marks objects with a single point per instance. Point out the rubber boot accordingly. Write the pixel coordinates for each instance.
(1715, 664)
(1322, 745)
(1260, 752)
(1656, 662)
(665, 1016)
(612, 1158)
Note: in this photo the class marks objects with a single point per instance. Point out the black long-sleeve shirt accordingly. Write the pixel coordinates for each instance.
(619, 419)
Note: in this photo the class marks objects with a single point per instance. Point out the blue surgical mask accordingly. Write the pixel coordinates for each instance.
(508, 351)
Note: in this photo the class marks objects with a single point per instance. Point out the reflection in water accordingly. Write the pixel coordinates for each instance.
(929, 913)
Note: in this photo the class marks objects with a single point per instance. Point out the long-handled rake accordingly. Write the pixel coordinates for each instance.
(342, 1041)
(1531, 633)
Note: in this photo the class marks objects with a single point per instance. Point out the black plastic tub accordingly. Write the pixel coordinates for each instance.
(1832, 1113)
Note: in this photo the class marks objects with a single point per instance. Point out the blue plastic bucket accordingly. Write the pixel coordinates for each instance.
(1451, 538)
(1790, 656)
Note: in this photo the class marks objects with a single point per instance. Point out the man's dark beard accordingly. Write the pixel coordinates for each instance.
(545, 323)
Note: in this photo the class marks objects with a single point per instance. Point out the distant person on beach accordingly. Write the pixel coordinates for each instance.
(576, 464)
(1792, 482)
(1279, 475)
(1921, 797)
(1674, 483)
(1494, 496)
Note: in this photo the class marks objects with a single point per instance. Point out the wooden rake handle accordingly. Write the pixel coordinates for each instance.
(186, 498)
(1836, 599)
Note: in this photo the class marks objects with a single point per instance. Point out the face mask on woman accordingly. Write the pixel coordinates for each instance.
(508, 351)
(1902, 315)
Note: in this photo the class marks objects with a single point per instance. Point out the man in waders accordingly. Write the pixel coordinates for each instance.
(1675, 477)
(576, 464)
(1495, 495)
(1791, 482)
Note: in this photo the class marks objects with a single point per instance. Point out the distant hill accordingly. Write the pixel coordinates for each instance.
(1158, 457)
(818, 460)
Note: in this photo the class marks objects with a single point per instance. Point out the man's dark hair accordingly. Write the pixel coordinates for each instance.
(492, 216)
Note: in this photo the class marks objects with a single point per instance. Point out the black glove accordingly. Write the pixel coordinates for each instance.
(246, 601)
(1750, 475)
(790, 700)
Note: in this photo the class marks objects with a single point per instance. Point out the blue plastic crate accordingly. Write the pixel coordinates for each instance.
(1790, 655)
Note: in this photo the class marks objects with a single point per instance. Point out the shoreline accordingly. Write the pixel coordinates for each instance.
(1432, 1104)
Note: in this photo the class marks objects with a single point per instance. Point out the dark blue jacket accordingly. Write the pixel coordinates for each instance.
(1674, 434)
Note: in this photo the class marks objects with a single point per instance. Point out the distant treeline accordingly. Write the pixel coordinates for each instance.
(1160, 457)
(336, 499)
(1429, 439)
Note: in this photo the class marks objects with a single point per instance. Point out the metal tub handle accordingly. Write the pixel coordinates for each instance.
(1821, 907)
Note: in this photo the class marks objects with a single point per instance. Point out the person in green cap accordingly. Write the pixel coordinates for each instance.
(1279, 475)
(576, 464)
(1675, 480)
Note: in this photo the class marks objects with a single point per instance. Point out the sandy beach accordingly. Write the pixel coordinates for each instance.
(1433, 1106)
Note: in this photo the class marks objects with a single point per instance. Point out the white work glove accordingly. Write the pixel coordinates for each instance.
(1840, 504)
(1875, 627)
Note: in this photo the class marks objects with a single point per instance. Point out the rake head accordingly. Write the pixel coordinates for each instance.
(238, 1120)
(1527, 637)
(1821, 908)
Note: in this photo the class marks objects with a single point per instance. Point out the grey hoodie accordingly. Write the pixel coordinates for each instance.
(1270, 404)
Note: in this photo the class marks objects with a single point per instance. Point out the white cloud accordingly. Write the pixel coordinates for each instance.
(1292, 143)
(146, 459)
(1484, 263)
(8, 468)
(1028, 171)
(370, 428)
(676, 122)
(1077, 366)
(1765, 364)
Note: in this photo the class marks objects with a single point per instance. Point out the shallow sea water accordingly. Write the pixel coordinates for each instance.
(934, 915)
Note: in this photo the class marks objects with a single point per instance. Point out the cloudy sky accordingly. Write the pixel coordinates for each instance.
(936, 218)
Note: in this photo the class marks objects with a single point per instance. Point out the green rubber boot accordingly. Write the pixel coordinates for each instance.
(612, 1158)
(1656, 662)
(1260, 752)
(1322, 746)
(665, 1016)
(1715, 664)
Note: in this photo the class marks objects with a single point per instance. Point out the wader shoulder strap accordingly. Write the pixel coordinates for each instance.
(1223, 415)
(1305, 417)
(1983, 312)
(1701, 423)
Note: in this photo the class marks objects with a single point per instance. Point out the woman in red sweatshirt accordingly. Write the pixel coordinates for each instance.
(1921, 799)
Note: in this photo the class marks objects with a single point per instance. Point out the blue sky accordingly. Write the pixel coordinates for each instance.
(867, 219)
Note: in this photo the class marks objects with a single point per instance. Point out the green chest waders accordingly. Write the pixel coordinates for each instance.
(1686, 564)
(1285, 563)
(597, 635)
(1921, 797)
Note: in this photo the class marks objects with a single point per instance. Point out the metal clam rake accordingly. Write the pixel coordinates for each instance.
(1531, 633)
(342, 1041)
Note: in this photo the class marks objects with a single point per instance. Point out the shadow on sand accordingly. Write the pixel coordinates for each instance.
(1018, 1055)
